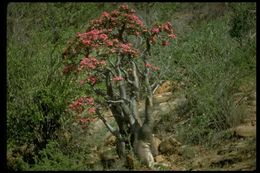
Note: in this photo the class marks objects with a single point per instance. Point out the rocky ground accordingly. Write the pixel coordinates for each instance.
(236, 150)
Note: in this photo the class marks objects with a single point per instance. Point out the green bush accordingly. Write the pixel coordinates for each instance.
(214, 71)
(52, 159)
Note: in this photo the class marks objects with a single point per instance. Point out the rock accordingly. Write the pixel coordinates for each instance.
(92, 159)
(110, 139)
(245, 131)
(160, 158)
(108, 158)
(155, 146)
(169, 146)
(188, 152)
(156, 141)
(168, 107)
(165, 87)
(162, 97)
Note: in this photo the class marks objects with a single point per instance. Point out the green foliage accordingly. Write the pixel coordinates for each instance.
(243, 20)
(207, 60)
(53, 159)
(214, 71)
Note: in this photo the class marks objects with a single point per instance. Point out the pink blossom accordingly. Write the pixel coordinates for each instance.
(102, 62)
(83, 120)
(109, 43)
(103, 36)
(92, 80)
(92, 110)
(155, 68)
(155, 30)
(105, 14)
(115, 41)
(117, 78)
(86, 42)
(90, 100)
(125, 47)
(148, 65)
(81, 82)
(173, 36)
(88, 63)
(165, 43)
(123, 7)
(137, 33)
(115, 13)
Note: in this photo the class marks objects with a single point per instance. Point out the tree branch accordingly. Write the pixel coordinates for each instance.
(110, 128)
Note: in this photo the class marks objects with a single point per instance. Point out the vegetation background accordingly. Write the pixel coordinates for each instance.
(214, 54)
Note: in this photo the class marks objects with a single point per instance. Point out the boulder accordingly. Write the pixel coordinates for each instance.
(245, 131)
(169, 146)
(160, 98)
(166, 86)
(155, 146)
(170, 106)
(110, 139)
(160, 158)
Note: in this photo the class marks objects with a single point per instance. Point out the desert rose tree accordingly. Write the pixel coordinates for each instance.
(112, 60)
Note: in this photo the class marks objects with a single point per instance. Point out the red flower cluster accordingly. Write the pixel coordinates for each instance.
(92, 38)
(165, 43)
(133, 19)
(152, 66)
(92, 79)
(91, 63)
(84, 121)
(166, 27)
(124, 7)
(155, 30)
(127, 49)
(78, 104)
(117, 78)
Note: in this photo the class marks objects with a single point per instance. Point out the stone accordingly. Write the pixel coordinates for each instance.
(162, 97)
(159, 158)
(108, 158)
(155, 146)
(171, 106)
(169, 146)
(245, 131)
(165, 87)
(110, 139)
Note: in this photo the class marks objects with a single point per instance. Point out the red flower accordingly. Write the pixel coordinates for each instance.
(117, 78)
(148, 65)
(83, 120)
(106, 14)
(81, 82)
(155, 68)
(86, 42)
(155, 30)
(115, 13)
(92, 110)
(90, 100)
(123, 7)
(103, 36)
(109, 43)
(88, 62)
(92, 80)
(173, 36)
(165, 43)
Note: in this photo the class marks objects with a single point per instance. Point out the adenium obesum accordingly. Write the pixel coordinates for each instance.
(106, 48)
